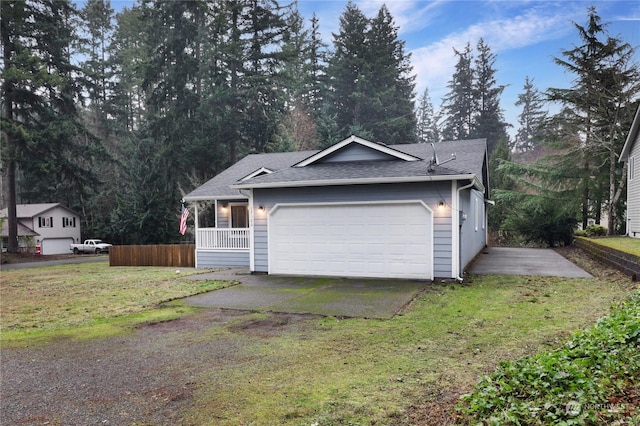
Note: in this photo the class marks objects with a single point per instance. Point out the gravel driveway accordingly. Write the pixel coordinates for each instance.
(145, 378)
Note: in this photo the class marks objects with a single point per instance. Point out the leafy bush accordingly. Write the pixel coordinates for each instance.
(572, 385)
(542, 220)
(596, 231)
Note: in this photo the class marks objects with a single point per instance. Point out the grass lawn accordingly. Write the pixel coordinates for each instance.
(84, 300)
(625, 244)
(322, 370)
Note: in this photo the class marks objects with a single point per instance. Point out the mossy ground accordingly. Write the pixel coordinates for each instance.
(265, 368)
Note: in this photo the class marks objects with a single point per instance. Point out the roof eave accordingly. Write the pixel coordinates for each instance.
(214, 197)
(631, 137)
(362, 181)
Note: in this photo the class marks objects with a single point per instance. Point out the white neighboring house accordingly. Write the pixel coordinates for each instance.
(51, 226)
(631, 155)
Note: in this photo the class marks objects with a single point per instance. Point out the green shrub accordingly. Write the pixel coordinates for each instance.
(569, 386)
(541, 220)
(596, 231)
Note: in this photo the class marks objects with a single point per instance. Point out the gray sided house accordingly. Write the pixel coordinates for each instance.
(51, 226)
(355, 209)
(631, 155)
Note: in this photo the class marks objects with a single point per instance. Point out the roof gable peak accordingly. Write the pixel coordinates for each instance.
(378, 150)
(261, 171)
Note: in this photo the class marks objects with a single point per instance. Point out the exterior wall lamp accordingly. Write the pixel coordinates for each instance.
(261, 209)
(441, 205)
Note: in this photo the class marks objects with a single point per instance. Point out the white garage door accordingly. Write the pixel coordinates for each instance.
(390, 240)
(56, 245)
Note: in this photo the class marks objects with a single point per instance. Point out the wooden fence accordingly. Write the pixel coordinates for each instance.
(183, 255)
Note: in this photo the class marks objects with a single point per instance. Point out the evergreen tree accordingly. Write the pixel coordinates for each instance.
(42, 133)
(500, 181)
(97, 18)
(129, 57)
(460, 104)
(427, 122)
(598, 108)
(94, 47)
(389, 106)
(266, 25)
(317, 73)
(303, 64)
(531, 120)
(488, 121)
(372, 90)
(346, 70)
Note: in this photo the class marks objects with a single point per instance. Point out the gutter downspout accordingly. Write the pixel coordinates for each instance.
(458, 274)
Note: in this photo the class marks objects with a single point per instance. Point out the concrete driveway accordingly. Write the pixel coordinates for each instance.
(525, 261)
(340, 297)
(362, 297)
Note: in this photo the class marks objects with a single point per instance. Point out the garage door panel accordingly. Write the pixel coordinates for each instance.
(56, 245)
(376, 240)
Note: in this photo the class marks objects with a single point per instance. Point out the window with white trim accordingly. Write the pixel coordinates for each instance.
(632, 168)
(45, 222)
(477, 212)
(68, 222)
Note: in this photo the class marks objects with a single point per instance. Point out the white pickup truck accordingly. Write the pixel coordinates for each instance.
(90, 246)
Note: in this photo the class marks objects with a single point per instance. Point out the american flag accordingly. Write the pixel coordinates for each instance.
(183, 220)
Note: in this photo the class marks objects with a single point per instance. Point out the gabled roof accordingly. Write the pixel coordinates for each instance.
(406, 163)
(23, 231)
(380, 148)
(28, 211)
(219, 187)
(631, 137)
(260, 171)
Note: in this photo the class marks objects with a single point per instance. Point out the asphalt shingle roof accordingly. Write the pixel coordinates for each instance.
(33, 210)
(470, 158)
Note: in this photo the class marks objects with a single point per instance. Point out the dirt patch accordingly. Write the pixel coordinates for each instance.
(148, 377)
(437, 409)
(584, 261)
(267, 327)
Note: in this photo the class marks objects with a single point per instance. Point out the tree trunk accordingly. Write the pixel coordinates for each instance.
(616, 196)
(585, 197)
(12, 223)
(9, 157)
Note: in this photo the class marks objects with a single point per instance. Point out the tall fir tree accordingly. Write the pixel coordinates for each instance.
(389, 106)
(426, 120)
(346, 70)
(488, 121)
(129, 57)
(371, 86)
(97, 16)
(460, 104)
(531, 120)
(599, 107)
(43, 137)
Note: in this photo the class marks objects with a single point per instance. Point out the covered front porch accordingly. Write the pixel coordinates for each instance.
(223, 238)
(222, 233)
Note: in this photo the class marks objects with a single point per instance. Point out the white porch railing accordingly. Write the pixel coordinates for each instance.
(223, 238)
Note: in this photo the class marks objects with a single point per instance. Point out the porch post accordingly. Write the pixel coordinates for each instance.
(251, 228)
(196, 224)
